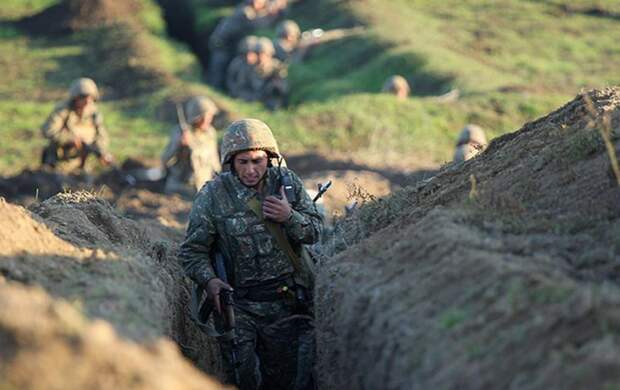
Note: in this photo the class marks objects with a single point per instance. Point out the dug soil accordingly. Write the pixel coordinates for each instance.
(500, 272)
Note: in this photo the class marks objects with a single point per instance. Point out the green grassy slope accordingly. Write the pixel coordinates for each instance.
(511, 60)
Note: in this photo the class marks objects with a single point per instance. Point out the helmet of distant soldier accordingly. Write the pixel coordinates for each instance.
(265, 46)
(288, 28)
(248, 134)
(198, 106)
(247, 44)
(83, 87)
(396, 83)
(472, 134)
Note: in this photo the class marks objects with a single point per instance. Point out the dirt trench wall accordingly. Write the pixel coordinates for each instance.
(507, 280)
(77, 248)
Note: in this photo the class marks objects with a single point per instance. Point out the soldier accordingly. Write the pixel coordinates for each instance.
(397, 85)
(471, 141)
(238, 74)
(268, 78)
(260, 228)
(191, 155)
(249, 16)
(288, 35)
(75, 128)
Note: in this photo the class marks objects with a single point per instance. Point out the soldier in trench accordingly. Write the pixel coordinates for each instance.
(260, 226)
(397, 85)
(191, 156)
(470, 143)
(247, 18)
(240, 69)
(75, 128)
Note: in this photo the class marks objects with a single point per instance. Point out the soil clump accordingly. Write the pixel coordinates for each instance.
(500, 272)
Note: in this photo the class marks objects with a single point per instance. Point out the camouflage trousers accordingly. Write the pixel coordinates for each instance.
(275, 348)
(55, 153)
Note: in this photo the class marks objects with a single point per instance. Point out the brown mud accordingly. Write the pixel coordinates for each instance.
(500, 272)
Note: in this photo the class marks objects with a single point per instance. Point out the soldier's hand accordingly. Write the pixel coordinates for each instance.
(214, 286)
(184, 138)
(77, 143)
(276, 209)
(106, 159)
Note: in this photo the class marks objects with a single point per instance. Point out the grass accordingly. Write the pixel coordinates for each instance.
(511, 60)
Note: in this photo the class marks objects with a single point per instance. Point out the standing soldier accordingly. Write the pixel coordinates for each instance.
(191, 154)
(75, 128)
(397, 85)
(239, 71)
(471, 141)
(288, 35)
(258, 216)
(249, 16)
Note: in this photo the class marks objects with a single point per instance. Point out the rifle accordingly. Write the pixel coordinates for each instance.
(318, 36)
(322, 190)
(228, 314)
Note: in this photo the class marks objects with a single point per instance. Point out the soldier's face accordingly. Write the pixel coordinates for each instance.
(251, 166)
(251, 57)
(264, 58)
(204, 122)
(259, 4)
(82, 102)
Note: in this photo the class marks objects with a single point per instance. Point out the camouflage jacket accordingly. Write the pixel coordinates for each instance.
(64, 124)
(200, 157)
(264, 76)
(238, 79)
(221, 220)
(284, 49)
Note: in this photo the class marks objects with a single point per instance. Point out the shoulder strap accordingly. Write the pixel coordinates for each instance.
(280, 237)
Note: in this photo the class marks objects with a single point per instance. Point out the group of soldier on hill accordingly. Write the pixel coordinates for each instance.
(256, 217)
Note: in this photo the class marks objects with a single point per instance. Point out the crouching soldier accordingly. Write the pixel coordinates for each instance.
(258, 217)
(191, 156)
(471, 142)
(75, 128)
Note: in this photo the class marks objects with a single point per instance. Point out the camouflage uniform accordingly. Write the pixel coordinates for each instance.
(471, 141)
(267, 331)
(229, 31)
(64, 125)
(396, 84)
(239, 72)
(284, 48)
(198, 161)
(268, 79)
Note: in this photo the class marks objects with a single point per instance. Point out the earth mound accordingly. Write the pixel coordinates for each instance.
(47, 344)
(77, 247)
(500, 272)
(74, 15)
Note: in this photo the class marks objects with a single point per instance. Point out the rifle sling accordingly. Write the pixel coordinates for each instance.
(279, 235)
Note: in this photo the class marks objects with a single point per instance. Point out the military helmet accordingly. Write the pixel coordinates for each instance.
(264, 45)
(472, 133)
(395, 83)
(288, 28)
(248, 134)
(83, 86)
(199, 106)
(247, 44)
